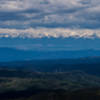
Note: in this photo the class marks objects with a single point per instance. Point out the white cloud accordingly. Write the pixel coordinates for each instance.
(48, 32)
(46, 5)
(50, 13)
(11, 5)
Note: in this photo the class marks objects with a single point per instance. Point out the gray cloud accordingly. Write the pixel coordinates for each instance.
(70, 14)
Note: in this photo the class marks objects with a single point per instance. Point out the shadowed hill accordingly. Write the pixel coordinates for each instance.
(11, 54)
(90, 65)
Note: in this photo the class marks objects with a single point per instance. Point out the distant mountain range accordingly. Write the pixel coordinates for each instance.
(90, 65)
(12, 54)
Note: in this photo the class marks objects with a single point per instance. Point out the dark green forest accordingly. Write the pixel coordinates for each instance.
(73, 79)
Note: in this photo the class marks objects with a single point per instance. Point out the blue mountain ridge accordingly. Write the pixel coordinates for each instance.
(12, 54)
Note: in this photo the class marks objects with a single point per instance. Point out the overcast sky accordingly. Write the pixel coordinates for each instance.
(49, 18)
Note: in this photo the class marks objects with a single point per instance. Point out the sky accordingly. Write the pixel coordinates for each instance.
(28, 20)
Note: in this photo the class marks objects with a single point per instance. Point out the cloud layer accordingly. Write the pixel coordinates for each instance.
(47, 32)
(56, 18)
